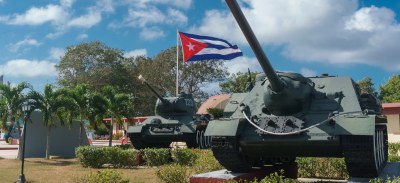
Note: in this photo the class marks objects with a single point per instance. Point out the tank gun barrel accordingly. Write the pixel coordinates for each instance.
(141, 78)
(276, 84)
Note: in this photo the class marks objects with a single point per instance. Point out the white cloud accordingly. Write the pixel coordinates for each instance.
(23, 43)
(144, 17)
(154, 16)
(183, 4)
(332, 32)
(105, 5)
(39, 15)
(371, 19)
(82, 36)
(67, 3)
(86, 21)
(211, 87)
(177, 17)
(308, 72)
(28, 68)
(241, 64)
(135, 53)
(148, 17)
(151, 33)
(56, 53)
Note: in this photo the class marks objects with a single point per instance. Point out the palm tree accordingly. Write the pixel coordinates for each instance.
(12, 99)
(80, 95)
(53, 105)
(88, 105)
(119, 105)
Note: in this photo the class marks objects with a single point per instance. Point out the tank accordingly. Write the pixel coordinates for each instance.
(287, 115)
(174, 120)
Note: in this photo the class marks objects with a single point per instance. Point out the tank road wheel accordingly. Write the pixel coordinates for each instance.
(366, 156)
(228, 152)
(137, 141)
(202, 141)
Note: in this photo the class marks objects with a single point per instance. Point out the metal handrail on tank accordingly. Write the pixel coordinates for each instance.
(141, 78)
(276, 84)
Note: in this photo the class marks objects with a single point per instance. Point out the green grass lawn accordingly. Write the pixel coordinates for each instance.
(39, 170)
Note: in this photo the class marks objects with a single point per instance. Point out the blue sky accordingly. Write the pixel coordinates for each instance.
(341, 37)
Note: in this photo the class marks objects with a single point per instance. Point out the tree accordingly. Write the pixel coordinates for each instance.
(237, 83)
(94, 64)
(366, 86)
(119, 105)
(12, 99)
(390, 91)
(52, 103)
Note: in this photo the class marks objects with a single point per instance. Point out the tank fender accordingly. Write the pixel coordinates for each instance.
(188, 129)
(225, 127)
(135, 129)
(355, 125)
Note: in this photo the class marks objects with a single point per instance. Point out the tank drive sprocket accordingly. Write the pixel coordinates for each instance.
(366, 156)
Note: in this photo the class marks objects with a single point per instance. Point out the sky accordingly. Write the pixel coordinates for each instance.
(356, 38)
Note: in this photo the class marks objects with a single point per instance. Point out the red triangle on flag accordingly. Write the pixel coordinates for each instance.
(190, 47)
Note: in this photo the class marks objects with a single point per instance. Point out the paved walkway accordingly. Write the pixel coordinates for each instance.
(8, 151)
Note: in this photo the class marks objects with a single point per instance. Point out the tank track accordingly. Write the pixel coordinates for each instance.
(138, 143)
(366, 156)
(228, 152)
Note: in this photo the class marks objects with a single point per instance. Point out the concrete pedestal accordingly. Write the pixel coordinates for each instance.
(290, 171)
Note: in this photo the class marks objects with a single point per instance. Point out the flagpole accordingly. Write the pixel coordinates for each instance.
(177, 61)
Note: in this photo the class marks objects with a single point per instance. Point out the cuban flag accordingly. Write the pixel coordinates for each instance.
(196, 47)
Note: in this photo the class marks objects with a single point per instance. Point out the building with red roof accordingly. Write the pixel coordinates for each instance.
(392, 112)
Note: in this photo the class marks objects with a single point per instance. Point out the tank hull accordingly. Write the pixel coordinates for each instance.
(331, 125)
(157, 131)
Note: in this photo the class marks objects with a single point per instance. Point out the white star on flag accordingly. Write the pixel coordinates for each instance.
(191, 47)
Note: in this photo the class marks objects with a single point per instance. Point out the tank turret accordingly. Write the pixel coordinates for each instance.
(183, 104)
(287, 115)
(286, 93)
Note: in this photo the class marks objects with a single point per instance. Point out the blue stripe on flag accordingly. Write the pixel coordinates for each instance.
(220, 47)
(215, 56)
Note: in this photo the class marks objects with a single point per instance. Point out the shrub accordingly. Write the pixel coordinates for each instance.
(157, 157)
(206, 162)
(276, 177)
(120, 158)
(117, 136)
(184, 156)
(334, 168)
(174, 173)
(96, 157)
(125, 146)
(394, 148)
(216, 112)
(89, 156)
(101, 131)
(393, 158)
(106, 176)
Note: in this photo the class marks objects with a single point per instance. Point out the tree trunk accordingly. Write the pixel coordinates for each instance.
(48, 143)
(81, 132)
(110, 133)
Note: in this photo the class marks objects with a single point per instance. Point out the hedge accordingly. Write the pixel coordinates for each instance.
(96, 157)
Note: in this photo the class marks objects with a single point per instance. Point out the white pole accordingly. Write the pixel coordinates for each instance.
(177, 62)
